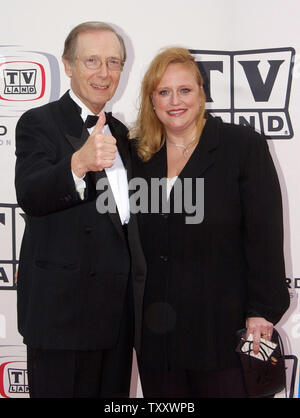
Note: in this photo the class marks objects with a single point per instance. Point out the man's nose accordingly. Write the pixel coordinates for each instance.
(103, 70)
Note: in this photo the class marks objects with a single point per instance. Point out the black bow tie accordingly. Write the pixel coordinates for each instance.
(91, 121)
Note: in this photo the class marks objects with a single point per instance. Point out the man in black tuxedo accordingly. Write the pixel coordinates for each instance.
(77, 284)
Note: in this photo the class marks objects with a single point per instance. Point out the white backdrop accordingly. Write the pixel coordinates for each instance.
(223, 31)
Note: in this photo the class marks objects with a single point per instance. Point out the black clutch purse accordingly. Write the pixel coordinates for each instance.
(264, 373)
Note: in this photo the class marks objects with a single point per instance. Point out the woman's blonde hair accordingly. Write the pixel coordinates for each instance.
(148, 131)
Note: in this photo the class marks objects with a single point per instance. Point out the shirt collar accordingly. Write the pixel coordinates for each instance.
(85, 111)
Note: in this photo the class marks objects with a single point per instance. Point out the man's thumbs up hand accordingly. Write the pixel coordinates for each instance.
(97, 153)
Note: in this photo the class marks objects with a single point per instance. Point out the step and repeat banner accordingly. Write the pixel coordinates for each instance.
(248, 53)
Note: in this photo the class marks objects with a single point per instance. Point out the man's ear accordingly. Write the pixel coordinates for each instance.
(68, 67)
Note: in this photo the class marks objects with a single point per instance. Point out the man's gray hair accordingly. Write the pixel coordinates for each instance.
(71, 41)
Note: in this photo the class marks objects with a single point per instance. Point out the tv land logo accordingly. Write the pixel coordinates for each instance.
(13, 372)
(23, 79)
(11, 231)
(250, 87)
(27, 79)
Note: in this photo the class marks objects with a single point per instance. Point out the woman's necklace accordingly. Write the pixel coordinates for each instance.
(185, 147)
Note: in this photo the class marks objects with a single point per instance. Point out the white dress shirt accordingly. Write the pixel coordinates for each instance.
(116, 175)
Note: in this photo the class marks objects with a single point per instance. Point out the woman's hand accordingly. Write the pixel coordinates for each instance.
(259, 328)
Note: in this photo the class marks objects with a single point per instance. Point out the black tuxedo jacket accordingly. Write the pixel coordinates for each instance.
(204, 279)
(75, 263)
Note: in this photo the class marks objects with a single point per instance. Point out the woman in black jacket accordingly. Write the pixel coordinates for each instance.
(214, 271)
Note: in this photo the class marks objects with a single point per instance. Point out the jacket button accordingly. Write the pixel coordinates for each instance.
(92, 273)
(164, 257)
(88, 230)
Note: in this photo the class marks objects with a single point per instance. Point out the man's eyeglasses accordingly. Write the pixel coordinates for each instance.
(94, 63)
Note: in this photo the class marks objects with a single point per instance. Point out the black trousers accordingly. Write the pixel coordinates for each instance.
(85, 374)
(79, 374)
(159, 383)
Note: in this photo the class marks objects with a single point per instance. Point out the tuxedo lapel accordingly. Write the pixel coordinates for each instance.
(118, 134)
(122, 145)
(114, 216)
(70, 121)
